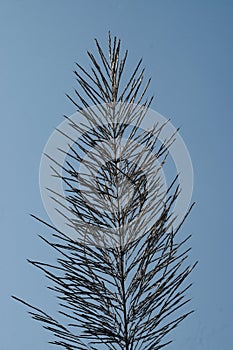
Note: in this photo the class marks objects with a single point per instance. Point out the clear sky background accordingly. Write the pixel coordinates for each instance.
(187, 47)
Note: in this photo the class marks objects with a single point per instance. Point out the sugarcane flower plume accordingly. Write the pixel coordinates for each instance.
(121, 278)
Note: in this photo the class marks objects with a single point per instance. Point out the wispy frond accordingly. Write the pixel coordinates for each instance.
(121, 284)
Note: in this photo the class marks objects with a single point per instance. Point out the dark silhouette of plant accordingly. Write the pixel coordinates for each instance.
(121, 282)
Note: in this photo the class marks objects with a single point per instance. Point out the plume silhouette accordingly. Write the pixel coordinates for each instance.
(122, 282)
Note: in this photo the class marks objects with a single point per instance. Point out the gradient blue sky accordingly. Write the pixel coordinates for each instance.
(187, 47)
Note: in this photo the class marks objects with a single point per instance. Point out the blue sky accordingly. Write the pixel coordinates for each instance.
(187, 50)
